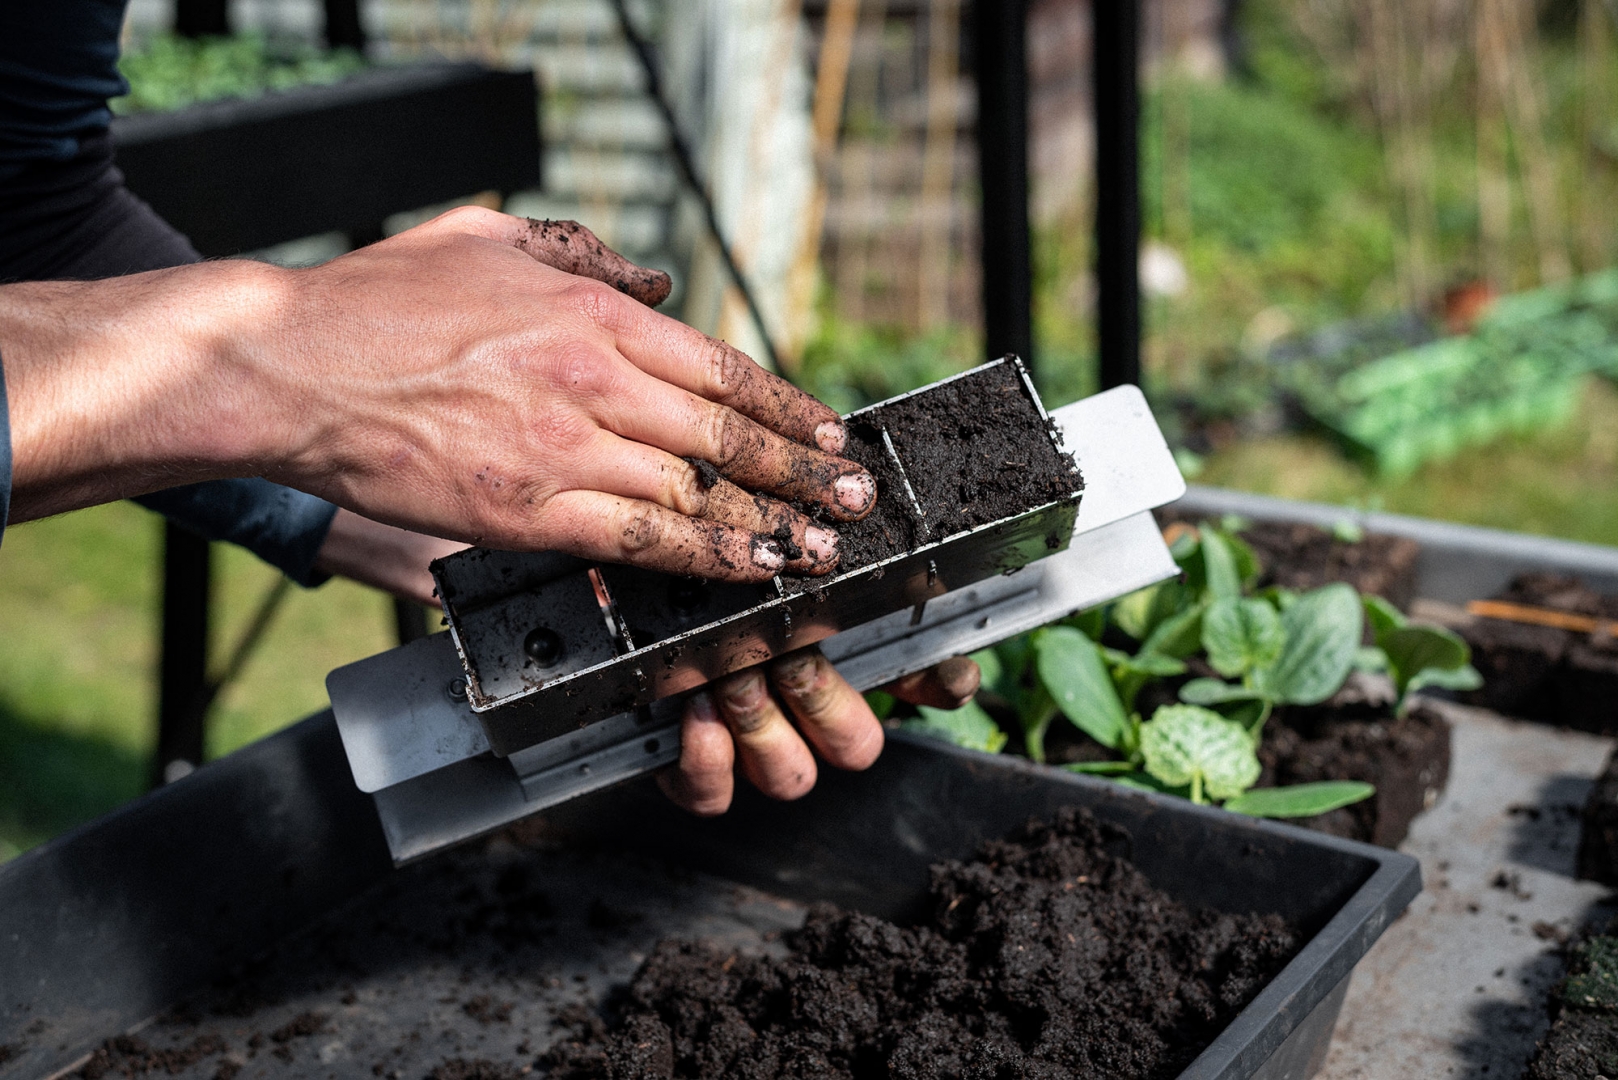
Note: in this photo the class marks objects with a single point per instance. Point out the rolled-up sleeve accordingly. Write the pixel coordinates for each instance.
(283, 526)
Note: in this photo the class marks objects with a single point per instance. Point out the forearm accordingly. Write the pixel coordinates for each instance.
(131, 385)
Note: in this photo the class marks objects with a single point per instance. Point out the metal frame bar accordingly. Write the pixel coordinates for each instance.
(1116, 38)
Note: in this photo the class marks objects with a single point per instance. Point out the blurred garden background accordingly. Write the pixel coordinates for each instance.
(1377, 233)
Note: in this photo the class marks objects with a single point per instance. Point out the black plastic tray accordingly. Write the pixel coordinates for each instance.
(109, 925)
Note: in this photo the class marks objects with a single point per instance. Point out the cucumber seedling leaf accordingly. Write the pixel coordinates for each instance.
(1190, 745)
(1322, 628)
(1072, 669)
(1241, 636)
(969, 727)
(1300, 800)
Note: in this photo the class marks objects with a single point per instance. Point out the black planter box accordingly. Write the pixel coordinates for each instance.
(111, 924)
(236, 176)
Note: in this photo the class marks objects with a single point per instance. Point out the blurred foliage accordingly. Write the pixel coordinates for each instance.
(169, 72)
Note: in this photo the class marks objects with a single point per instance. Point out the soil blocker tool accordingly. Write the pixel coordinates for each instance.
(557, 678)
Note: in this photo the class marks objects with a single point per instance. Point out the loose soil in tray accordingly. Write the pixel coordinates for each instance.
(975, 450)
(1299, 556)
(1543, 673)
(1047, 956)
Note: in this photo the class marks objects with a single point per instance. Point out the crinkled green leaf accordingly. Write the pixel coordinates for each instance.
(1414, 650)
(1072, 670)
(1300, 800)
(969, 726)
(1241, 636)
(1145, 781)
(1322, 637)
(1187, 744)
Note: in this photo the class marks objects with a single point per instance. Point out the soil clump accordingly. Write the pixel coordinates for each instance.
(1544, 673)
(1406, 758)
(1049, 955)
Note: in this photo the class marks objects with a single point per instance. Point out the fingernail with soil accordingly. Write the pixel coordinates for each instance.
(768, 554)
(856, 492)
(831, 437)
(820, 543)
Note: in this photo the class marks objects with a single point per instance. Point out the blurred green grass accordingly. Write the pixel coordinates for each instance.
(77, 670)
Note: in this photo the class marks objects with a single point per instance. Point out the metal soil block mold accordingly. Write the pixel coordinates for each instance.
(116, 922)
(551, 644)
(417, 745)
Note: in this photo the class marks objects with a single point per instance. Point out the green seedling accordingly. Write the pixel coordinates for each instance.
(1414, 655)
(968, 726)
(1286, 649)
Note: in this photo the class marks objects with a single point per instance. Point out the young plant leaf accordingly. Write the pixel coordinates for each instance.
(881, 703)
(1222, 576)
(1370, 658)
(1322, 636)
(993, 670)
(1413, 651)
(969, 727)
(1241, 636)
(1383, 617)
(1179, 635)
(1461, 678)
(1072, 670)
(1101, 768)
(1186, 744)
(1216, 692)
(1300, 800)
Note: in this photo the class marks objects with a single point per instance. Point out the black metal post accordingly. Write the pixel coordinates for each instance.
(343, 27)
(183, 669)
(201, 18)
(1000, 53)
(411, 620)
(1116, 38)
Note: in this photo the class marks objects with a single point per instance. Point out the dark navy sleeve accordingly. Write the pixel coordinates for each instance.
(280, 525)
(5, 455)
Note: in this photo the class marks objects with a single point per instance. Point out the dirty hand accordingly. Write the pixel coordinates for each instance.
(448, 380)
(764, 714)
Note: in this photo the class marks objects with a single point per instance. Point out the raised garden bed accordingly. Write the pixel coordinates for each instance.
(461, 964)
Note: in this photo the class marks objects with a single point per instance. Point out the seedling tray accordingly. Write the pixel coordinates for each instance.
(124, 918)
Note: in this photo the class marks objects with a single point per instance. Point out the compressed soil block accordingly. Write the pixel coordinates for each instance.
(974, 450)
(1598, 827)
(1406, 757)
(1298, 556)
(1049, 955)
(1582, 1043)
(1544, 673)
